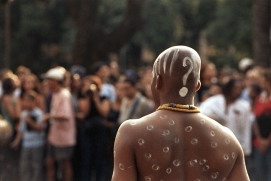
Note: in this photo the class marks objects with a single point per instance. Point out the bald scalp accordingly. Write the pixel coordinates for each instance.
(179, 68)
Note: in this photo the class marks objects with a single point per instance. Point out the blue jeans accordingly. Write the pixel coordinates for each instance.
(93, 150)
(262, 165)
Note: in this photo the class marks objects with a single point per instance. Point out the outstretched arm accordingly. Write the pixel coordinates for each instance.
(124, 157)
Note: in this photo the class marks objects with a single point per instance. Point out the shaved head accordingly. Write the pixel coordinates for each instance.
(179, 69)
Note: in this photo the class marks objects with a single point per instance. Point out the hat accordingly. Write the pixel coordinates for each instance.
(55, 74)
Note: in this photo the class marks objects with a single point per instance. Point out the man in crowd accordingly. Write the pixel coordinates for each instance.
(134, 105)
(61, 136)
(177, 142)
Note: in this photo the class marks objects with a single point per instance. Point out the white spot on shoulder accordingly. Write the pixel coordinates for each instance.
(214, 144)
(202, 161)
(141, 142)
(227, 141)
(176, 163)
(169, 170)
(166, 132)
(214, 175)
(212, 133)
(177, 140)
(226, 157)
(147, 155)
(155, 167)
(121, 166)
(194, 141)
(150, 127)
(202, 121)
(206, 168)
(166, 149)
(163, 116)
(171, 122)
(188, 129)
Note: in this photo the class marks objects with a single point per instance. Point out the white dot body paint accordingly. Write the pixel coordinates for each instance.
(206, 168)
(163, 116)
(233, 155)
(214, 144)
(121, 166)
(183, 91)
(176, 140)
(226, 157)
(202, 161)
(176, 163)
(169, 170)
(155, 167)
(188, 129)
(166, 132)
(166, 149)
(147, 178)
(171, 122)
(150, 127)
(214, 176)
(141, 142)
(147, 155)
(194, 141)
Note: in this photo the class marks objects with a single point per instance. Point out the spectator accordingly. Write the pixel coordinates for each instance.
(93, 108)
(262, 130)
(61, 136)
(112, 118)
(31, 83)
(101, 70)
(10, 110)
(231, 111)
(252, 77)
(208, 77)
(32, 135)
(134, 105)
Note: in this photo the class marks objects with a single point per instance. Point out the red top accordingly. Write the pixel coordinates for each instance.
(261, 105)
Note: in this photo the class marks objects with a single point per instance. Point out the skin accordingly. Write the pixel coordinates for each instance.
(171, 145)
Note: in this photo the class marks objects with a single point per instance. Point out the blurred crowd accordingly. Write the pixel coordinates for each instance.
(64, 122)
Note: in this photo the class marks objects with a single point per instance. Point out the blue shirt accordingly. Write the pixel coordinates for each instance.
(31, 137)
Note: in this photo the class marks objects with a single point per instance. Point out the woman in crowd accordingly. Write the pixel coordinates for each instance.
(10, 111)
(31, 83)
(92, 131)
(262, 130)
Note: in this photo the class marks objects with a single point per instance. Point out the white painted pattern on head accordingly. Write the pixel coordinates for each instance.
(165, 61)
(174, 59)
(183, 91)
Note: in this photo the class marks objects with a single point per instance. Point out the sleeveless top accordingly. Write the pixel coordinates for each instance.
(5, 114)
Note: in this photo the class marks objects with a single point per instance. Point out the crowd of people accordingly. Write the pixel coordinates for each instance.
(65, 121)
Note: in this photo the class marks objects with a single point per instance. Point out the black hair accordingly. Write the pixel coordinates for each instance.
(227, 87)
(96, 67)
(8, 86)
(130, 81)
(256, 88)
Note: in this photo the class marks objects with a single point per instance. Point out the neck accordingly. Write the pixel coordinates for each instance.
(184, 101)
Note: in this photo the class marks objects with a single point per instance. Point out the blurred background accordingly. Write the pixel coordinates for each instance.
(41, 34)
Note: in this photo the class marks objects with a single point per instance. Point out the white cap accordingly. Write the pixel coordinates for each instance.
(55, 74)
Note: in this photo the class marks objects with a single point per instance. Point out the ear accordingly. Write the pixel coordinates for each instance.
(158, 82)
(198, 86)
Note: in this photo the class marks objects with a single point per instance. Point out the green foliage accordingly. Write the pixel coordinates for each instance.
(232, 27)
(158, 32)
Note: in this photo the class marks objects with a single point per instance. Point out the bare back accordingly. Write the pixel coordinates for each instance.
(168, 145)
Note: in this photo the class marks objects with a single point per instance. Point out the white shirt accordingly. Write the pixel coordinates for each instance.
(238, 117)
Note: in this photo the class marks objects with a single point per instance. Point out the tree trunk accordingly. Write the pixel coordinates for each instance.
(93, 43)
(262, 22)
